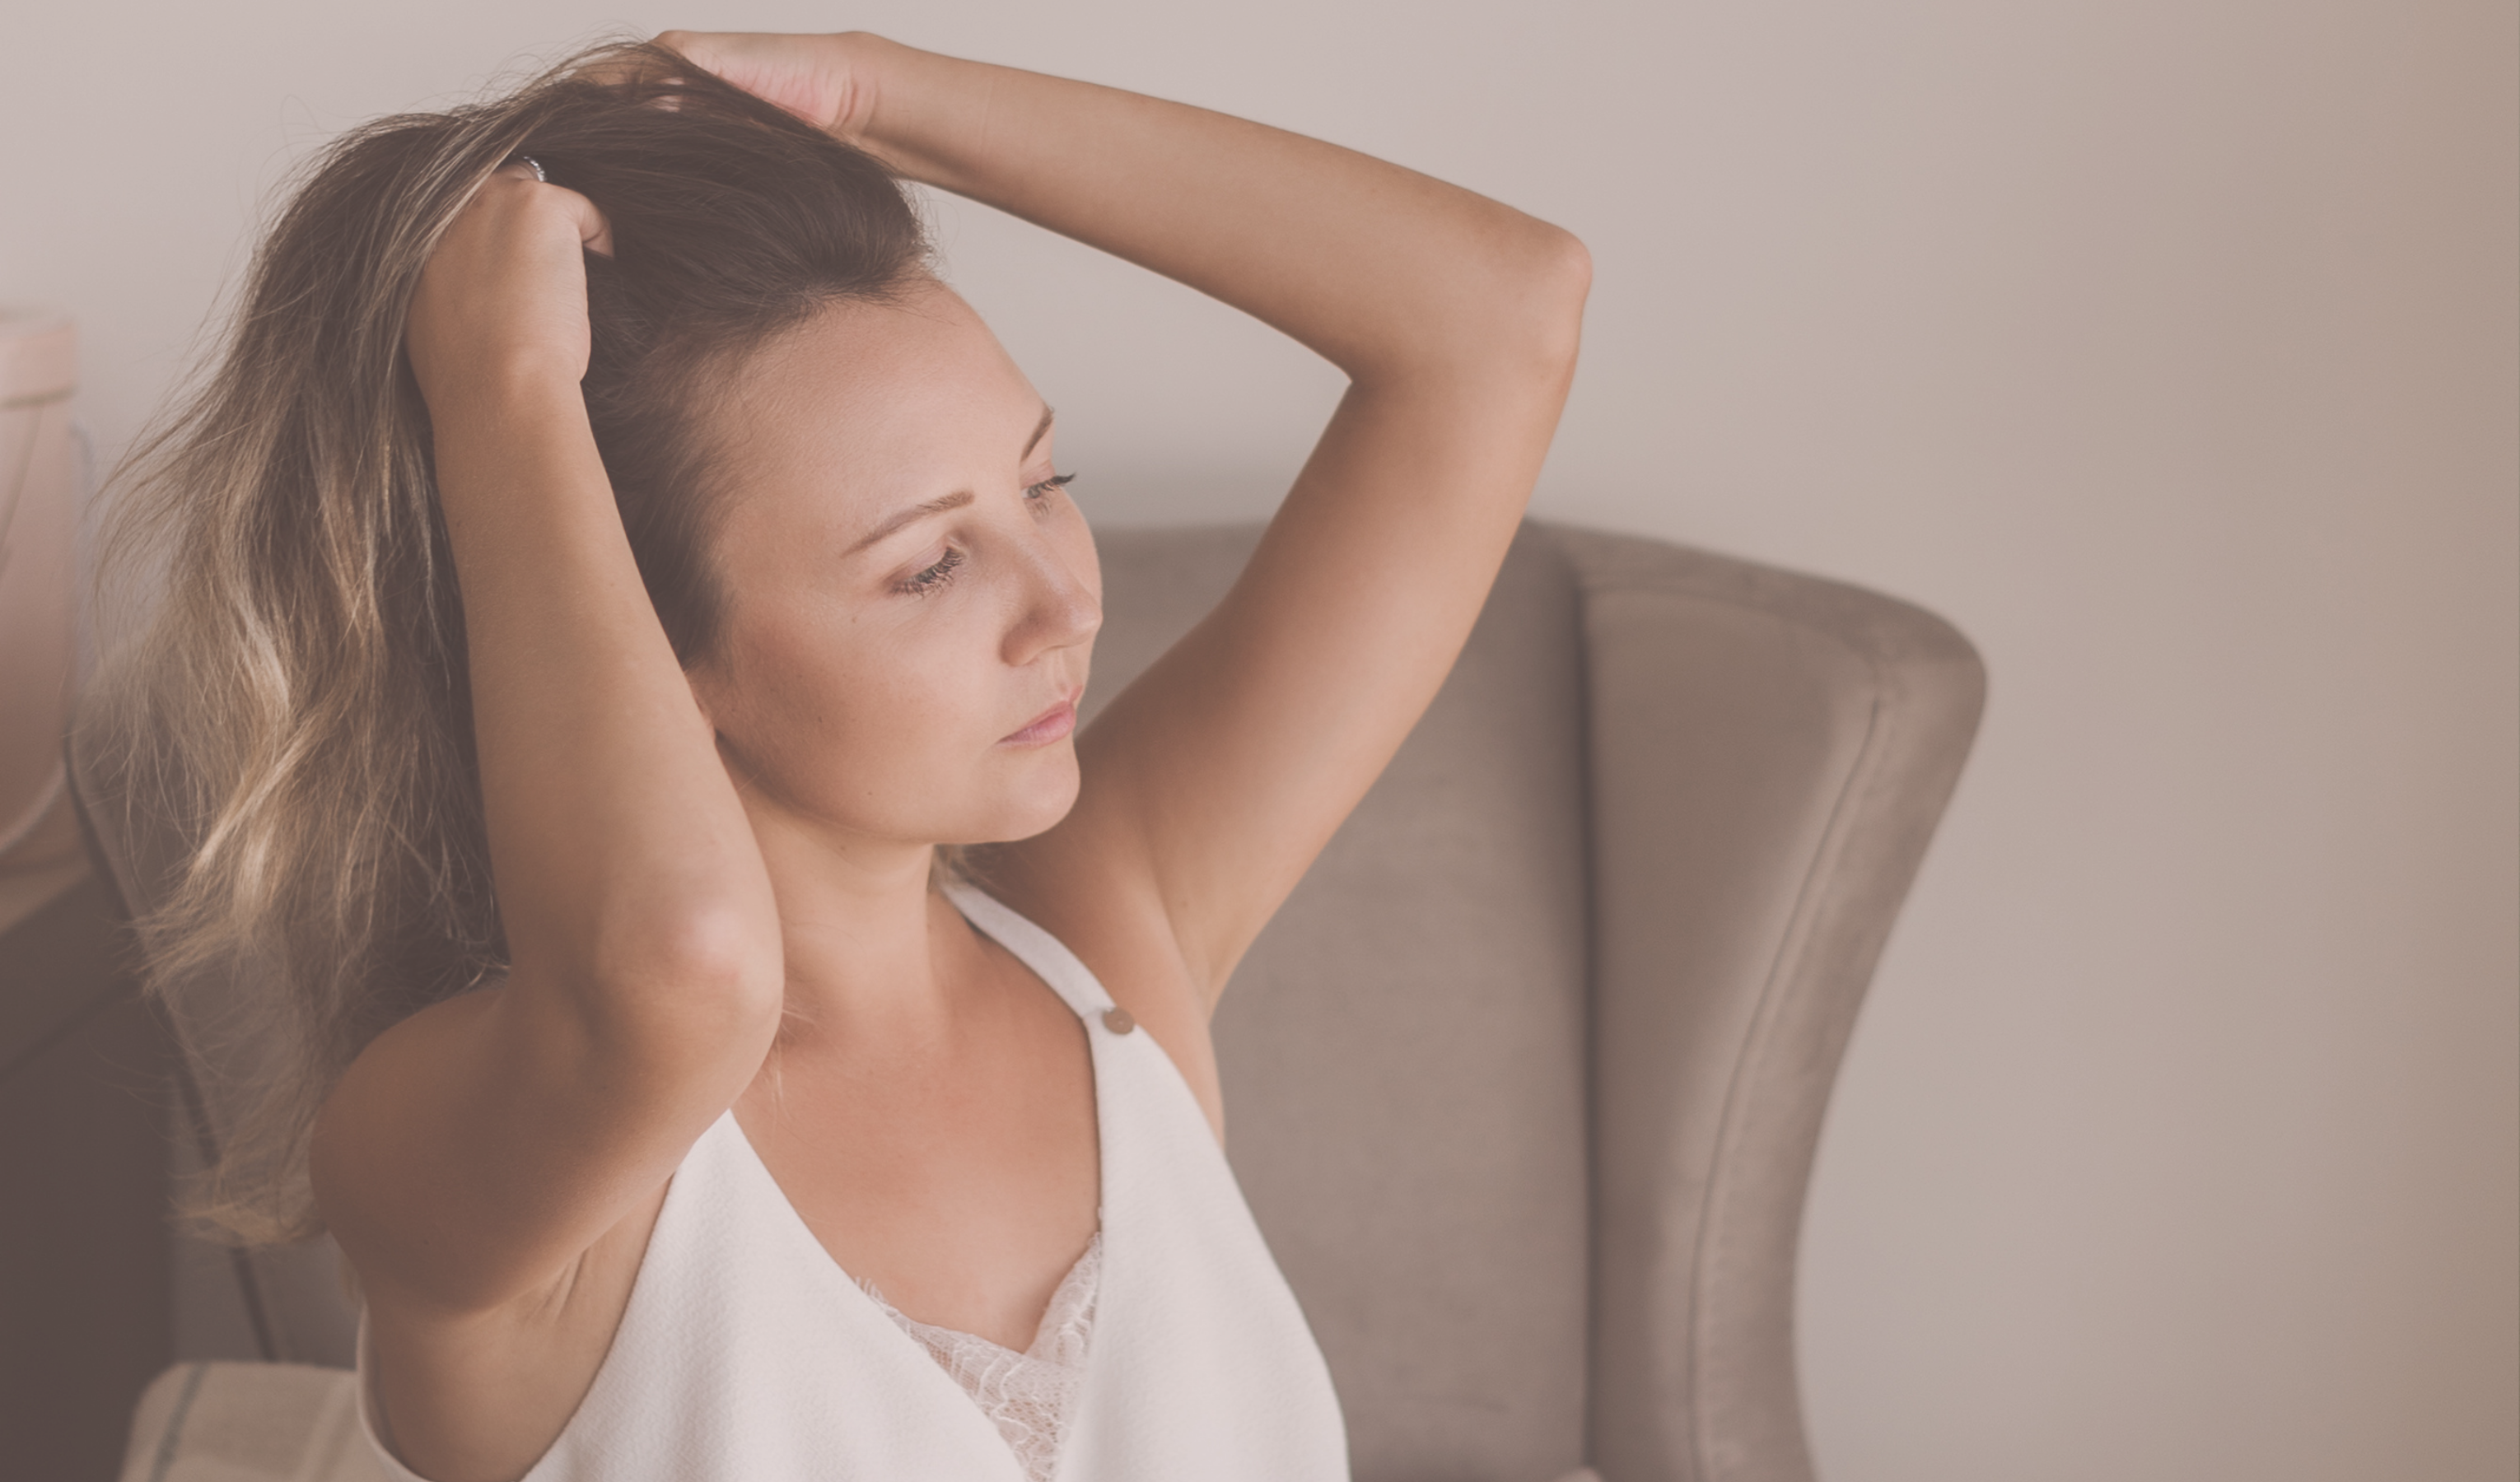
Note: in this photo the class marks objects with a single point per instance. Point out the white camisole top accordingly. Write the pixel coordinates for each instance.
(1176, 1349)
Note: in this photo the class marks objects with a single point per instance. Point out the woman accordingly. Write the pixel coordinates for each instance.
(629, 699)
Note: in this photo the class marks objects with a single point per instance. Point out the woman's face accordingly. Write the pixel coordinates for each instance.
(910, 602)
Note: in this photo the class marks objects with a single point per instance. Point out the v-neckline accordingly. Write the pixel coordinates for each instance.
(1091, 1252)
(796, 1217)
(906, 1344)
(1101, 1138)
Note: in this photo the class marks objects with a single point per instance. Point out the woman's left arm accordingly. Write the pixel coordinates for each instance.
(1221, 773)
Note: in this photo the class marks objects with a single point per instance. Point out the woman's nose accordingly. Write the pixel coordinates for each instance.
(1061, 608)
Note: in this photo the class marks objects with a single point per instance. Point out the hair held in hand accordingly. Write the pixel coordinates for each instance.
(299, 705)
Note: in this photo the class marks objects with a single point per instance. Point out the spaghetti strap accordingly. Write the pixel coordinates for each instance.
(1045, 955)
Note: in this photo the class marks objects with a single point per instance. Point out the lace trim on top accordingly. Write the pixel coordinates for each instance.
(1031, 1395)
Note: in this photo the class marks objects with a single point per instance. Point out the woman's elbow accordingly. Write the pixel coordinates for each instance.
(1519, 315)
(690, 973)
(1554, 278)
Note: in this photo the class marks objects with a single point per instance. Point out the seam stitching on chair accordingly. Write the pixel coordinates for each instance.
(1825, 861)
(1604, 573)
(1585, 739)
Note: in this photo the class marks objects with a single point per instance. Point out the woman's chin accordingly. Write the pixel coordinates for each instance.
(1034, 804)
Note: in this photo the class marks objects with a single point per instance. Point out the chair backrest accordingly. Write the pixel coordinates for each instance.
(1526, 1080)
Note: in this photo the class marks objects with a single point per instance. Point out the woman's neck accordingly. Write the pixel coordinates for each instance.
(871, 950)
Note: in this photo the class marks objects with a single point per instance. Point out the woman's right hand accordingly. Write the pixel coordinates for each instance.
(502, 301)
(474, 1153)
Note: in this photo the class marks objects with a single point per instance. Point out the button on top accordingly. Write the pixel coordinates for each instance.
(1118, 1021)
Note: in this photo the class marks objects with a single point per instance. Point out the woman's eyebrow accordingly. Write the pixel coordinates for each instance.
(937, 506)
(943, 503)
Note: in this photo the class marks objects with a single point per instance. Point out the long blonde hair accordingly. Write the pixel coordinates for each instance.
(298, 711)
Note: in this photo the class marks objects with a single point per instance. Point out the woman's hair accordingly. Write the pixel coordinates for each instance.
(298, 711)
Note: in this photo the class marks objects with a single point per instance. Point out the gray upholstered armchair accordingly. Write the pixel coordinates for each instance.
(1524, 1082)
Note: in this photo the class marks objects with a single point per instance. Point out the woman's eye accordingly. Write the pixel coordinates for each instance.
(933, 578)
(940, 575)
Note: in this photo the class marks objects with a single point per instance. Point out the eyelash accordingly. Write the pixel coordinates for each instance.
(937, 577)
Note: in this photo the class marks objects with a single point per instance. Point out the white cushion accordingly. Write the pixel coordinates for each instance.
(249, 1423)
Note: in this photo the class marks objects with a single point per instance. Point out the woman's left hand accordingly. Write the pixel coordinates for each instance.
(822, 79)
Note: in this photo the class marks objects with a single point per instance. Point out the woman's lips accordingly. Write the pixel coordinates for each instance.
(1048, 726)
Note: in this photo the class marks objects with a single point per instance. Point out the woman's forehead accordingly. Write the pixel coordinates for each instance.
(872, 395)
(869, 407)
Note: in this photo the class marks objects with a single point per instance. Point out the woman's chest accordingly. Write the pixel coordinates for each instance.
(964, 1185)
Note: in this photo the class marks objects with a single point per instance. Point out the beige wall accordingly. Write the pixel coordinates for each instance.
(2167, 348)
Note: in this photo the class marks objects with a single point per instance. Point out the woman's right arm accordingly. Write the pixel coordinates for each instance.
(471, 1152)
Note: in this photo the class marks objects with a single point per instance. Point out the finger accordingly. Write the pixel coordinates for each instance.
(616, 71)
(712, 52)
(683, 43)
(594, 231)
(640, 71)
(695, 47)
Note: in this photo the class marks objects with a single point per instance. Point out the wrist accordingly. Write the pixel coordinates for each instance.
(900, 101)
(864, 62)
(504, 407)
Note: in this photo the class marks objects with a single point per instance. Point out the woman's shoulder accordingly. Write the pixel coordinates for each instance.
(1113, 921)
